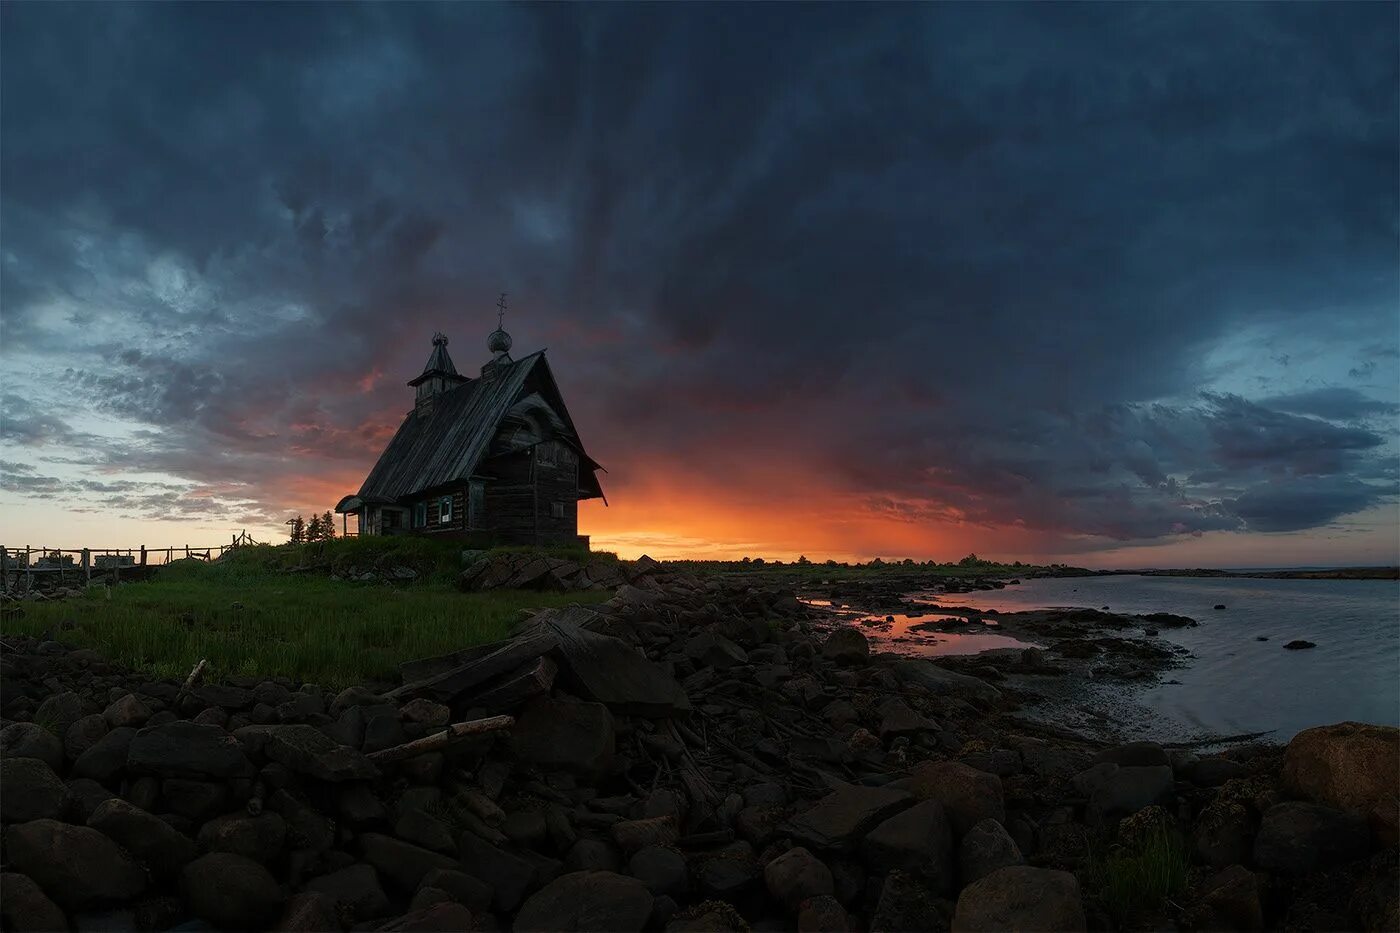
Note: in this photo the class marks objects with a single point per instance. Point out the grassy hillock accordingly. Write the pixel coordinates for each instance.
(269, 611)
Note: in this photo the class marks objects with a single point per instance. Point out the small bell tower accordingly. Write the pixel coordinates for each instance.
(438, 375)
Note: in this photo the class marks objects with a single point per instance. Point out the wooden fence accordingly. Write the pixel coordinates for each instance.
(80, 565)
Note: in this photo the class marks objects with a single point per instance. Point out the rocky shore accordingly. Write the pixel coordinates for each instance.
(694, 754)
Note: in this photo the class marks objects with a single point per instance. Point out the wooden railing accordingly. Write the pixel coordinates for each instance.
(82, 564)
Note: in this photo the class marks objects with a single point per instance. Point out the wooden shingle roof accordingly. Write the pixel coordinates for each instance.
(444, 442)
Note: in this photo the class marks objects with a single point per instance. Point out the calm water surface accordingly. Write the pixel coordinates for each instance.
(1237, 683)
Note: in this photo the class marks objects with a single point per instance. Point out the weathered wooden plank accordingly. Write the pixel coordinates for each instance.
(448, 685)
(612, 672)
(423, 668)
(529, 681)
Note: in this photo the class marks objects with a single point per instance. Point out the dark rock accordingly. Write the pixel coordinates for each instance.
(1231, 896)
(710, 649)
(767, 794)
(309, 912)
(307, 827)
(554, 733)
(356, 803)
(661, 868)
(822, 915)
(1115, 792)
(940, 681)
(918, 840)
(986, 847)
(592, 855)
(59, 711)
(307, 750)
(129, 710)
(383, 728)
(84, 795)
(1299, 838)
(30, 790)
(144, 792)
(592, 900)
(426, 712)
(1021, 898)
(728, 872)
(908, 903)
(230, 891)
(257, 837)
(149, 838)
(510, 875)
(437, 918)
(839, 820)
(106, 759)
(401, 863)
(195, 800)
(1134, 755)
(1299, 644)
(795, 876)
(421, 829)
(357, 888)
(968, 795)
(300, 707)
(82, 735)
(1213, 772)
(24, 907)
(423, 769)
(461, 887)
(27, 740)
(1223, 833)
(847, 645)
(186, 749)
(224, 697)
(76, 866)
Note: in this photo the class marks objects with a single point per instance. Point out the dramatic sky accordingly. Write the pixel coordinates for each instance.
(1112, 284)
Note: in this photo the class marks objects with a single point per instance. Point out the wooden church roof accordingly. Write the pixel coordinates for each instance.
(445, 441)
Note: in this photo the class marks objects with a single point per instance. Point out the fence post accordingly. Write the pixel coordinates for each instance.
(143, 555)
(28, 570)
(87, 566)
(187, 552)
(4, 570)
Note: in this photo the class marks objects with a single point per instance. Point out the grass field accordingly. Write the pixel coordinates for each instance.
(247, 618)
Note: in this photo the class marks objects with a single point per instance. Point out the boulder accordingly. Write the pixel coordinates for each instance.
(711, 649)
(355, 888)
(76, 866)
(402, 863)
(908, 903)
(1213, 771)
(106, 758)
(27, 740)
(1020, 898)
(728, 873)
(510, 875)
(846, 645)
(309, 912)
(196, 801)
(30, 790)
(84, 795)
(661, 868)
(1115, 792)
(918, 840)
(577, 737)
(840, 819)
(1351, 766)
(59, 711)
(795, 876)
(461, 887)
(986, 847)
(940, 681)
(1223, 833)
(1134, 755)
(1231, 896)
(586, 900)
(257, 837)
(1298, 838)
(25, 908)
(82, 735)
(231, 892)
(442, 917)
(186, 749)
(128, 710)
(421, 829)
(822, 915)
(149, 838)
(307, 750)
(968, 795)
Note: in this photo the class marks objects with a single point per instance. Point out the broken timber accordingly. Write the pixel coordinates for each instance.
(440, 740)
(447, 686)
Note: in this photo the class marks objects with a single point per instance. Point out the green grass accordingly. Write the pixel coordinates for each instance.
(248, 619)
(1138, 883)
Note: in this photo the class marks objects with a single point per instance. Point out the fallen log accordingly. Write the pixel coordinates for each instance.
(440, 740)
(447, 686)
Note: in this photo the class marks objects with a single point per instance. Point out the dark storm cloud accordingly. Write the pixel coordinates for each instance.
(952, 254)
